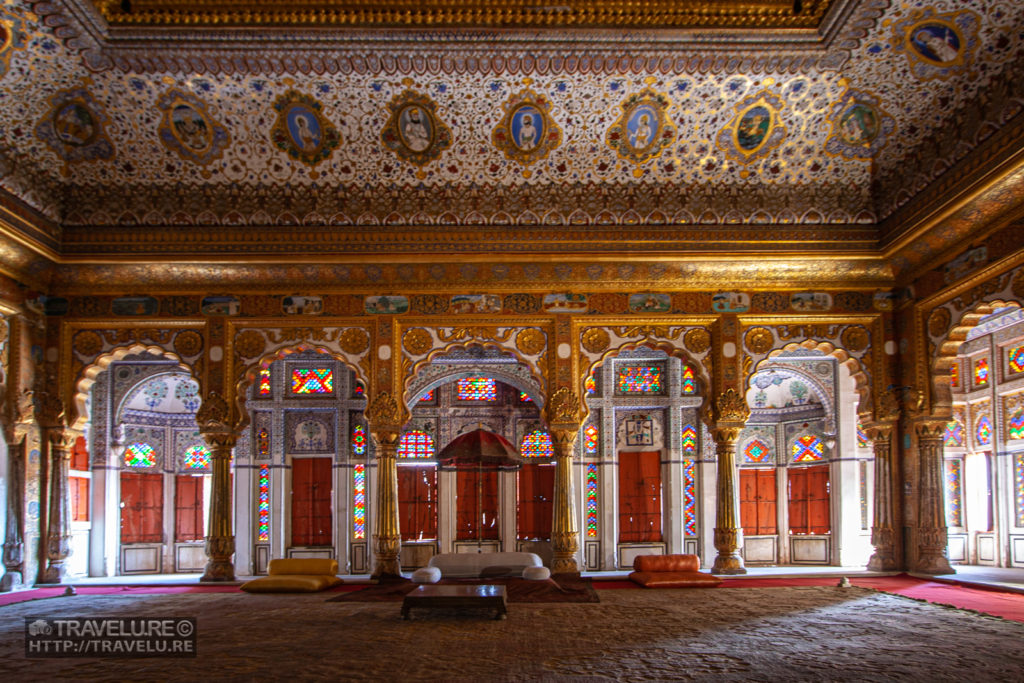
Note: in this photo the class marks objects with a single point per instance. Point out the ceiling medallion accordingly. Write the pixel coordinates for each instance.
(354, 341)
(302, 131)
(697, 340)
(595, 340)
(643, 130)
(937, 45)
(75, 128)
(759, 340)
(530, 341)
(417, 341)
(413, 131)
(188, 130)
(526, 133)
(860, 127)
(755, 130)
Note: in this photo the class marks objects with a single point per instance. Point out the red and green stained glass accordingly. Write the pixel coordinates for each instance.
(1016, 424)
(689, 498)
(524, 397)
(591, 500)
(954, 494)
(983, 431)
(1018, 486)
(359, 502)
(954, 435)
(416, 444)
(537, 444)
(197, 458)
(954, 375)
(358, 389)
(590, 435)
(1015, 360)
(359, 440)
(312, 381)
(265, 382)
(689, 381)
(981, 371)
(263, 509)
(862, 438)
(590, 385)
(757, 451)
(640, 380)
(689, 439)
(139, 455)
(477, 389)
(427, 397)
(808, 448)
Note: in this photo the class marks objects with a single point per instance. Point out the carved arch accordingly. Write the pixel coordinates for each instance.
(861, 377)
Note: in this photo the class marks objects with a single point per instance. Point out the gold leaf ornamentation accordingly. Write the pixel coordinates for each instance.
(530, 341)
(697, 340)
(383, 413)
(731, 406)
(88, 343)
(759, 340)
(417, 341)
(855, 338)
(563, 407)
(938, 322)
(188, 343)
(479, 332)
(250, 343)
(595, 339)
(214, 414)
(354, 340)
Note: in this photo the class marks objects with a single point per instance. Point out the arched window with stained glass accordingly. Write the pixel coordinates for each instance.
(590, 385)
(197, 458)
(689, 381)
(590, 436)
(756, 452)
(416, 444)
(537, 444)
(139, 454)
(476, 389)
(808, 448)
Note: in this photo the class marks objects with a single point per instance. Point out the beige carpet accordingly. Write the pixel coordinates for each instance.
(738, 634)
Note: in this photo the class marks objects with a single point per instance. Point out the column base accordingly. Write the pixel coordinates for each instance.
(11, 581)
(564, 565)
(54, 574)
(728, 564)
(882, 563)
(218, 571)
(387, 569)
(933, 564)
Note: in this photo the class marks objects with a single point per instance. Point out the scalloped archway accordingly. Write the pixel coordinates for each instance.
(861, 378)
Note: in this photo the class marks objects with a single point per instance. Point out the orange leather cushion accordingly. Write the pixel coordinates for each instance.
(303, 565)
(675, 579)
(666, 563)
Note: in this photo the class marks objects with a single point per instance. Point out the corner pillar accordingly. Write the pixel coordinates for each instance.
(14, 531)
(728, 417)
(58, 520)
(216, 427)
(385, 426)
(565, 536)
(883, 530)
(931, 512)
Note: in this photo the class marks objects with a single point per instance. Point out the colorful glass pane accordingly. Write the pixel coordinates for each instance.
(689, 498)
(263, 509)
(1018, 486)
(590, 385)
(359, 502)
(197, 458)
(1016, 424)
(981, 371)
(312, 381)
(524, 397)
(954, 494)
(263, 442)
(862, 438)
(808, 448)
(477, 389)
(1015, 360)
(139, 455)
(983, 431)
(954, 375)
(359, 440)
(689, 380)
(358, 389)
(429, 396)
(954, 434)
(640, 380)
(591, 500)
(590, 435)
(537, 444)
(689, 439)
(416, 444)
(756, 451)
(863, 467)
(265, 382)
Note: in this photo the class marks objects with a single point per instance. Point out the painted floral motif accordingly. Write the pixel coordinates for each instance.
(155, 392)
(188, 393)
(12, 39)
(413, 131)
(187, 129)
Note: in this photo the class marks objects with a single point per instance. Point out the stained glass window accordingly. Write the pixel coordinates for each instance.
(757, 451)
(427, 397)
(1015, 360)
(954, 434)
(197, 458)
(808, 448)
(359, 502)
(591, 500)
(359, 440)
(312, 381)
(590, 435)
(358, 389)
(1018, 486)
(862, 438)
(263, 442)
(689, 381)
(981, 371)
(640, 380)
(263, 510)
(863, 466)
(983, 431)
(689, 498)
(416, 444)
(477, 389)
(1016, 424)
(689, 439)
(954, 493)
(590, 385)
(524, 397)
(537, 444)
(139, 454)
(954, 375)
(265, 382)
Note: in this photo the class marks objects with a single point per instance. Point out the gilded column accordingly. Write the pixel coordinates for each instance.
(216, 427)
(883, 530)
(931, 510)
(58, 438)
(563, 415)
(16, 421)
(385, 425)
(728, 416)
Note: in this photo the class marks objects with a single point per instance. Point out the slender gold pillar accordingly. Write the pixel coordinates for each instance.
(883, 528)
(565, 534)
(385, 425)
(58, 521)
(14, 531)
(214, 422)
(931, 510)
(728, 415)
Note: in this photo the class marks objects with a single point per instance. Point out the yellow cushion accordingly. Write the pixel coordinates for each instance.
(303, 565)
(291, 583)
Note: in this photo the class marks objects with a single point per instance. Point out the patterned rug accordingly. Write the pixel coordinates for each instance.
(813, 633)
(562, 589)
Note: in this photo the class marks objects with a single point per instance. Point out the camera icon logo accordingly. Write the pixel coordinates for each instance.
(40, 627)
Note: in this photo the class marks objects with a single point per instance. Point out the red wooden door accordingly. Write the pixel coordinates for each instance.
(78, 490)
(640, 497)
(142, 508)
(534, 502)
(311, 501)
(809, 500)
(476, 505)
(758, 501)
(417, 503)
(188, 508)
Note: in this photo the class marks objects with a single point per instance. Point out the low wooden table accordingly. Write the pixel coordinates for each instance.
(486, 595)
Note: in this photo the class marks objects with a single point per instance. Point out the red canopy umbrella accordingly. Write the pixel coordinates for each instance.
(480, 449)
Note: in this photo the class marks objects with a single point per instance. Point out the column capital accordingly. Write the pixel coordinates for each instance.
(49, 409)
(563, 412)
(880, 430)
(385, 418)
(728, 411)
(214, 415)
(930, 427)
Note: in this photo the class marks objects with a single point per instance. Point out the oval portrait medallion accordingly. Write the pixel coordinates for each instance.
(74, 125)
(753, 127)
(190, 128)
(527, 127)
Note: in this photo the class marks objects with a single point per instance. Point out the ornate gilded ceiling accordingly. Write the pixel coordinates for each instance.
(673, 131)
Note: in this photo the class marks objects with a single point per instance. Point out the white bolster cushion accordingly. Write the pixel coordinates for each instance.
(426, 575)
(537, 573)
